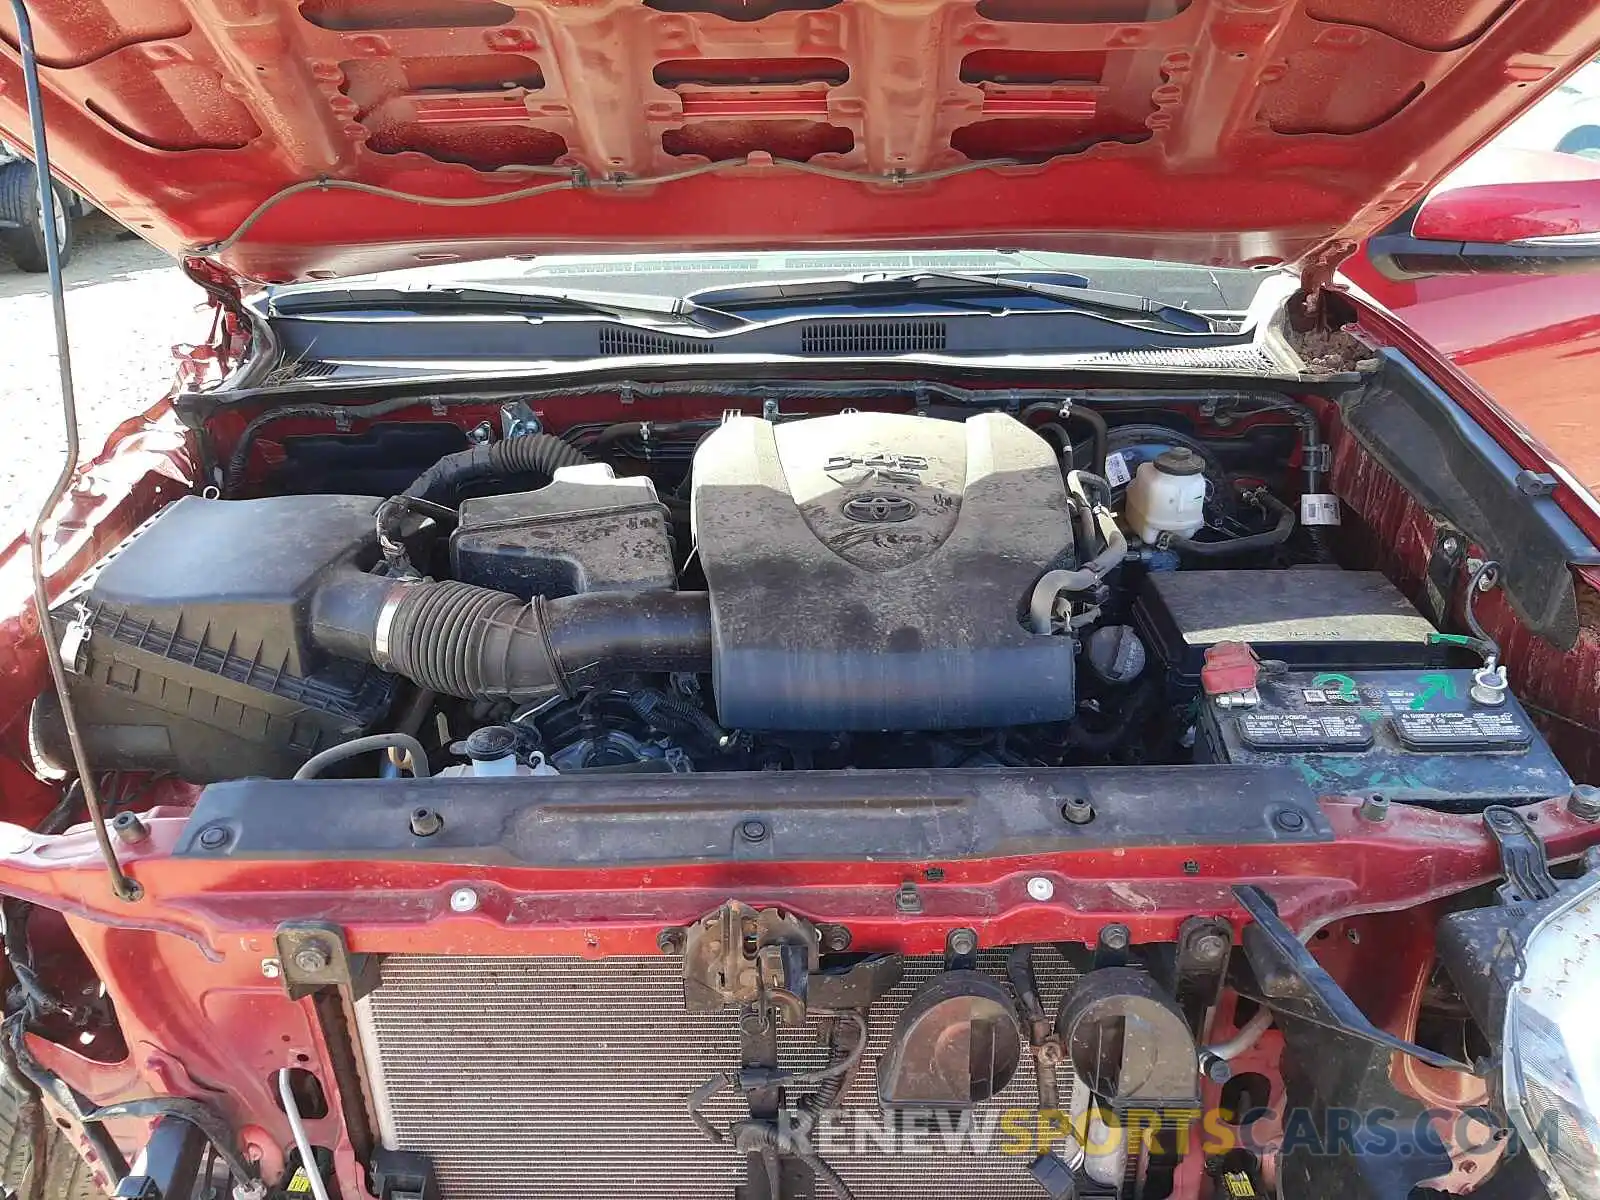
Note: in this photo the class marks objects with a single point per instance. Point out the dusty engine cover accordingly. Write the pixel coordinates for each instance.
(868, 571)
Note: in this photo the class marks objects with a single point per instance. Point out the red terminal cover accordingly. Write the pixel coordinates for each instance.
(1229, 667)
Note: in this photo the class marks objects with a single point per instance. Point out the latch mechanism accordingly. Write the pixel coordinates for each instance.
(739, 956)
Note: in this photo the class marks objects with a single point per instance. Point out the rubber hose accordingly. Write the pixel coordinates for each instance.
(1099, 433)
(317, 763)
(1096, 519)
(1248, 544)
(537, 454)
(605, 442)
(477, 643)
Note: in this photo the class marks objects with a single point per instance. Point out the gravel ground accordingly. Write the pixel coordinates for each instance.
(127, 305)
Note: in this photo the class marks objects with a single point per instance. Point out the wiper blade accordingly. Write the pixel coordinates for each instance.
(1073, 291)
(677, 310)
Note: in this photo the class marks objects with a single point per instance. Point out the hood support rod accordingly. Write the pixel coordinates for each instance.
(124, 887)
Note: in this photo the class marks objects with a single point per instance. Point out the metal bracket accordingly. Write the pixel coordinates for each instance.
(739, 957)
(1522, 858)
(1536, 484)
(403, 1175)
(1439, 584)
(857, 986)
(1315, 279)
(517, 419)
(313, 954)
(1204, 946)
(1319, 458)
(169, 1167)
(75, 642)
(1295, 984)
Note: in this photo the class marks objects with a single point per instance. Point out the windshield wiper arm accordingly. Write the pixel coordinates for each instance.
(932, 285)
(668, 309)
(1084, 297)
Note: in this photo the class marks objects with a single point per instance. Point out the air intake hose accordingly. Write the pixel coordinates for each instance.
(536, 454)
(477, 643)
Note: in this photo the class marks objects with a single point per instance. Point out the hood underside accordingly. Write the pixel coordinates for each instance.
(1216, 131)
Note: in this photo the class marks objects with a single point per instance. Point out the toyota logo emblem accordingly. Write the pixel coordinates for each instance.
(879, 508)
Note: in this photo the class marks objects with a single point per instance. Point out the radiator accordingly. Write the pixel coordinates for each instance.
(565, 1078)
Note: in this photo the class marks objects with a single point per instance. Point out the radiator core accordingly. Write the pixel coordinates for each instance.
(566, 1078)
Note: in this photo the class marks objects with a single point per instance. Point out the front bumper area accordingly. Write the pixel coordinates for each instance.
(213, 997)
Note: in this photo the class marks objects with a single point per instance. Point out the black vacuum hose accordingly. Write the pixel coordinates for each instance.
(475, 643)
(536, 454)
(1276, 536)
(1099, 434)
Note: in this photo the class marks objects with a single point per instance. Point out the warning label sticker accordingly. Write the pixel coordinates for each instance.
(1462, 730)
(1319, 508)
(1305, 731)
(1117, 472)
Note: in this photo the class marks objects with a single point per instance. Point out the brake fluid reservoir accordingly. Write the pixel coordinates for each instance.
(1167, 495)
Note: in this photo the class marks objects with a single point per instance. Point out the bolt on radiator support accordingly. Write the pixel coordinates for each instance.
(124, 887)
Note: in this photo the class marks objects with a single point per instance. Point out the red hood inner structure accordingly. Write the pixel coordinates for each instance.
(1219, 131)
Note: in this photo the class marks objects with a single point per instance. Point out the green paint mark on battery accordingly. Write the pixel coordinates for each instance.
(1433, 685)
(1341, 685)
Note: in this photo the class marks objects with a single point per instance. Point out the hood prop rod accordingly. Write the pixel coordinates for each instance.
(124, 887)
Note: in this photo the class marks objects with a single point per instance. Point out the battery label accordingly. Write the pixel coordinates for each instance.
(1462, 731)
(1305, 731)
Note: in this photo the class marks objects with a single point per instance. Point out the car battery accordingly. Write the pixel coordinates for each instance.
(1415, 737)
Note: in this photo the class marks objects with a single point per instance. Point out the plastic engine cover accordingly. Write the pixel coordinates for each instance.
(869, 571)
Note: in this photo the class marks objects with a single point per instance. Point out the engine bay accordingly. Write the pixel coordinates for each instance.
(1054, 583)
(832, 761)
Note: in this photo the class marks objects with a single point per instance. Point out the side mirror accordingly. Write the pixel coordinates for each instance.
(1505, 211)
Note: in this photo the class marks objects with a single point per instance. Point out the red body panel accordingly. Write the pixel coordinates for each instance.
(1530, 341)
(1505, 195)
(1188, 129)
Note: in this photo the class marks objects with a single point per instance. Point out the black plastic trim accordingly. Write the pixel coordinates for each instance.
(1458, 472)
(1400, 256)
(821, 816)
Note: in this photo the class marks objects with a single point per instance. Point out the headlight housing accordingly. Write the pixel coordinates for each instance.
(1551, 1047)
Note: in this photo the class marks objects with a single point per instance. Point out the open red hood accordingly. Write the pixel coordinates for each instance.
(1219, 131)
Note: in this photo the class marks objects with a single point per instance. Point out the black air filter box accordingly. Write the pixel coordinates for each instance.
(189, 646)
